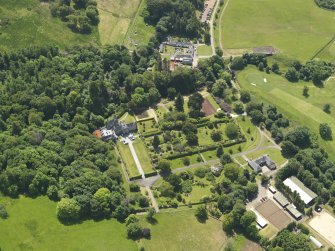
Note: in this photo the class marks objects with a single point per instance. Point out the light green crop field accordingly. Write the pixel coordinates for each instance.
(290, 101)
(128, 159)
(115, 18)
(297, 28)
(32, 225)
(180, 230)
(143, 155)
(31, 24)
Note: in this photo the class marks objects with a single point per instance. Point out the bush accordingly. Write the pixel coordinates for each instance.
(134, 230)
(134, 187)
(3, 212)
(201, 213)
(186, 161)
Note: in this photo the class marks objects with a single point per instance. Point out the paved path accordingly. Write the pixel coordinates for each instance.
(211, 26)
(152, 198)
(137, 161)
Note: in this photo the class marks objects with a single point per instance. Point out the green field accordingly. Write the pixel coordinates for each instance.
(290, 101)
(115, 18)
(128, 159)
(176, 163)
(180, 230)
(139, 33)
(143, 155)
(297, 28)
(32, 225)
(147, 126)
(204, 50)
(328, 53)
(31, 23)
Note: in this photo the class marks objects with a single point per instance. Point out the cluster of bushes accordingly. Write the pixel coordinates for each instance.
(3, 212)
(259, 60)
(80, 15)
(314, 70)
(293, 237)
(328, 4)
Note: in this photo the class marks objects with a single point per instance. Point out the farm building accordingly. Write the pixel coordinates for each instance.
(315, 242)
(265, 160)
(272, 189)
(281, 199)
(294, 212)
(295, 185)
(266, 50)
(261, 222)
(183, 59)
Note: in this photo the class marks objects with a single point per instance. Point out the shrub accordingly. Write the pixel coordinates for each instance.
(134, 187)
(186, 161)
(3, 212)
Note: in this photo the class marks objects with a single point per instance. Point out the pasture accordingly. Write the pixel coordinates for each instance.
(297, 28)
(32, 225)
(290, 101)
(180, 230)
(30, 23)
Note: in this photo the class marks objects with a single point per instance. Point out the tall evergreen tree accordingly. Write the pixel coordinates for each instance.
(179, 103)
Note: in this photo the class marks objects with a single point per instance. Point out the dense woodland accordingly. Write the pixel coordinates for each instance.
(174, 17)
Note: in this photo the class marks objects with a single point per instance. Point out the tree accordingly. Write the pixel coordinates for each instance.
(305, 91)
(150, 214)
(226, 158)
(232, 131)
(179, 103)
(288, 149)
(231, 171)
(3, 212)
(247, 219)
(292, 74)
(68, 210)
(275, 68)
(228, 223)
(171, 93)
(132, 218)
(219, 151)
(237, 63)
(238, 108)
(195, 101)
(156, 142)
(101, 203)
(326, 108)
(201, 213)
(245, 96)
(216, 135)
(325, 131)
(164, 167)
(134, 230)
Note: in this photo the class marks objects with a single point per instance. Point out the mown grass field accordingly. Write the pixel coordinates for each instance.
(290, 101)
(143, 155)
(273, 153)
(180, 230)
(115, 18)
(204, 50)
(297, 28)
(31, 24)
(32, 225)
(128, 159)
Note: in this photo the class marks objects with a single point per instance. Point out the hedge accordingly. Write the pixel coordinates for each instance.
(150, 174)
(152, 133)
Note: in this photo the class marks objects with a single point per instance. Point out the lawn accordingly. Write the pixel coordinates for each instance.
(139, 33)
(127, 118)
(180, 230)
(297, 28)
(176, 163)
(32, 225)
(204, 50)
(115, 18)
(128, 159)
(328, 53)
(253, 138)
(31, 23)
(204, 134)
(143, 155)
(290, 101)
